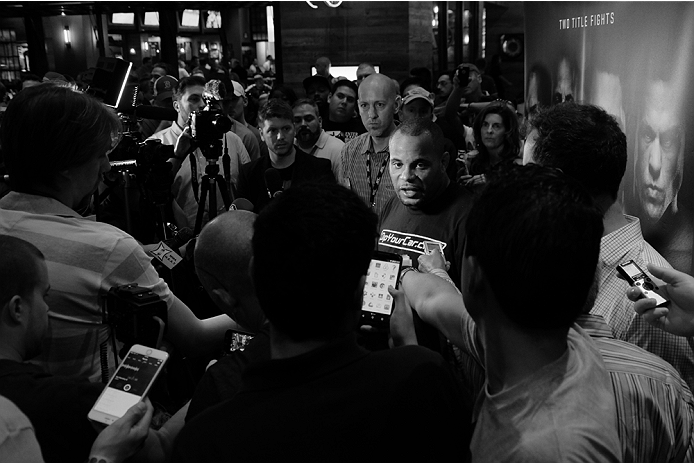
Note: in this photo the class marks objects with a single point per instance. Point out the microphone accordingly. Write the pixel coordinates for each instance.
(241, 204)
(150, 112)
(273, 182)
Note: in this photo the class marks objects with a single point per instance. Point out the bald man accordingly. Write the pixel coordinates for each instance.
(223, 256)
(365, 158)
(363, 71)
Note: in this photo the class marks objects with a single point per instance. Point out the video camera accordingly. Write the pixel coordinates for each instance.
(209, 125)
(137, 314)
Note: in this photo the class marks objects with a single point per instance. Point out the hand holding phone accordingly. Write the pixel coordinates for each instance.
(377, 302)
(637, 278)
(433, 258)
(130, 384)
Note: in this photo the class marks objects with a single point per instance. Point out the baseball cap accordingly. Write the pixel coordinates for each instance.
(344, 83)
(471, 67)
(238, 89)
(163, 87)
(50, 75)
(418, 92)
(316, 80)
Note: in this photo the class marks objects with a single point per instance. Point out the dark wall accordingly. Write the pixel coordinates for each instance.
(394, 35)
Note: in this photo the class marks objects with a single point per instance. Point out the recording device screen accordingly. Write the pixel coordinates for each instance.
(633, 271)
(383, 272)
(130, 382)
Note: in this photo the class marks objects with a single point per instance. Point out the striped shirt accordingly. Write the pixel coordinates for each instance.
(617, 310)
(84, 259)
(354, 156)
(655, 409)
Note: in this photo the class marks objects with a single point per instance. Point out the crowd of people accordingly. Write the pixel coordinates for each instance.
(513, 339)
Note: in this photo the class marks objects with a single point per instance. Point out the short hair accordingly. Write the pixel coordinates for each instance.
(414, 80)
(288, 92)
(166, 67)
(18, 271)
(304, 293)
(307, 102)
(448, 73)
(585, 142)
(183, 84)
(511, 143)
(530, 227)
(420, 126)
(278, 108)
(49, 128)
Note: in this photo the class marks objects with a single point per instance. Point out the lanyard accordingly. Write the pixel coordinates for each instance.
(374, 187)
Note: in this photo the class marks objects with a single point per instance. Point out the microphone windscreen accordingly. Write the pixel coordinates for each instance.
(273, 181)
(151, 112)
(241, 204)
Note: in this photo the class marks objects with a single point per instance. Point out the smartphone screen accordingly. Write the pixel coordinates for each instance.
(129, 384)
(383, 272)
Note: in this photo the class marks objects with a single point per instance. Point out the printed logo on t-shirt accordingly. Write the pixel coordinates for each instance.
(406, 241)
(344, 136)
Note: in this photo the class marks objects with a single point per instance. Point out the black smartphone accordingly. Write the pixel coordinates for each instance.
(377, 303)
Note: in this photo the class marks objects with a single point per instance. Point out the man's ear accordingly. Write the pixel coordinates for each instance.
(398, 103)
(330, 95)
(445, 159)
(176, 105)
(245, 101)
(15, 310)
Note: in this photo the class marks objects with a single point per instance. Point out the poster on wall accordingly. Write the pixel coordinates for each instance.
(636, 60)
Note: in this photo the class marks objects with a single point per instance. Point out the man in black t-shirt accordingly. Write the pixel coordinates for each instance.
(285, 166)
(427, 206)
(342, 121)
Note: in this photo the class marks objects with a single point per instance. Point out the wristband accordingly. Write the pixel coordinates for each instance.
(441, 273)
(404, 271)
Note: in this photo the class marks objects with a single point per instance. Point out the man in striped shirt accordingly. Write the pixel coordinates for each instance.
(55, 147)
(365, 158)
(587, 144)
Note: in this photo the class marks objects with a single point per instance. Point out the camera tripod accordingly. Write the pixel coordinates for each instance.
(211, 181)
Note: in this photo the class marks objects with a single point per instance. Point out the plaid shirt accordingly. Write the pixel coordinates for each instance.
(84, 259)
(354, 155)
(655, 409)
(612, 304)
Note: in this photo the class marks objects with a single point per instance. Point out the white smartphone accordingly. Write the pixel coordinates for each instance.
(130, 384)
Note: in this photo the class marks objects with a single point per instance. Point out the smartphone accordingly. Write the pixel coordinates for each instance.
(130, 384)
(236, 340)
(640, 280)
(463, 73)
(432, 246)
(377, 303)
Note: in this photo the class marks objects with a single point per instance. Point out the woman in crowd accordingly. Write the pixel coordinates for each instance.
(497, 139)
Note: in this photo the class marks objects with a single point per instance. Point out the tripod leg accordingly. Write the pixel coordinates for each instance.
(201, 205)
(223, 190)
(212, 192)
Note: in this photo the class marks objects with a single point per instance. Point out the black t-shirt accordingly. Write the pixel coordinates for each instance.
(57, 407)
(345, 131)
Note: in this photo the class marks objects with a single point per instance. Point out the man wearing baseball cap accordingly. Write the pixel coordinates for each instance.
(163, 98)
(419, 103)
(233, 106)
